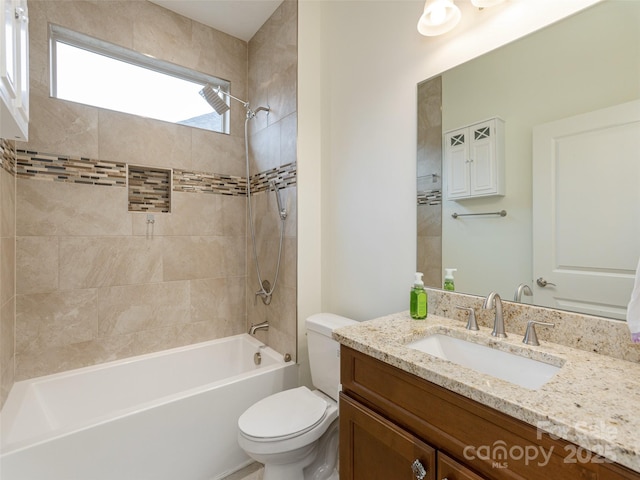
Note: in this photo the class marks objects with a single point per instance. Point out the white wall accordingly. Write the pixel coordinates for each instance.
(359, 64)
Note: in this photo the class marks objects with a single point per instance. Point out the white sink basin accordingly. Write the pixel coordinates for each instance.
(526, 372)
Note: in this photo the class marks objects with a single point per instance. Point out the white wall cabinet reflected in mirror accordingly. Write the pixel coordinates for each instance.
(474, 160)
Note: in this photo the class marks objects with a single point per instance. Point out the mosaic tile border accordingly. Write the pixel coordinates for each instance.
(7, 156)
(429, 197)
(59, 168)
(201, 182)
(149, 189)
(283, 176)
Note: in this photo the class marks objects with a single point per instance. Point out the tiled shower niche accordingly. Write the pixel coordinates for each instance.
(149, 189)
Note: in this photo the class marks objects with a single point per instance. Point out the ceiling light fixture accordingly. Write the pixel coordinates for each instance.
(439, 16)
(485, 3)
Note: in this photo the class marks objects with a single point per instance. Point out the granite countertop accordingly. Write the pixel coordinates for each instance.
(593, 400)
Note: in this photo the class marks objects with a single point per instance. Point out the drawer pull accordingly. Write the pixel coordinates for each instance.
(419, 471)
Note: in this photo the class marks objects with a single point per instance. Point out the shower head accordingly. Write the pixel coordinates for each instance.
(213, 98)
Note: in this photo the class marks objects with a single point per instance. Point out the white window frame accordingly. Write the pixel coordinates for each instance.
(58, 34)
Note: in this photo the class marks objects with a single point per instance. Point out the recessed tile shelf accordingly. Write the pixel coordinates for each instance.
(149, 189)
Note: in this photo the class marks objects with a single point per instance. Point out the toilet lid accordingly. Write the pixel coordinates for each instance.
(283, 414)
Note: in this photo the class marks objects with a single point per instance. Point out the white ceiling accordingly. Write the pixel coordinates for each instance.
(239, 18)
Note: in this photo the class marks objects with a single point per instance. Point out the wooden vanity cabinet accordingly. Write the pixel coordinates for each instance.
(380, 449)
(449, 469)
(390, 418)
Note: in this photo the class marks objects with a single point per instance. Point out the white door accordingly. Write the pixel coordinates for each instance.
(586, 210)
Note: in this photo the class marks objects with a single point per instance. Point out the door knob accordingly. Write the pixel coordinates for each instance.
(543, 283)
(418, 469)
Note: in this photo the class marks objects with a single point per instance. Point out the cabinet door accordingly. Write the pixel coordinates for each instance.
(457, 163)
(8, 61)
(22, 61)
(14, 69)
(371, 447)
(483, 159)
(449, 469)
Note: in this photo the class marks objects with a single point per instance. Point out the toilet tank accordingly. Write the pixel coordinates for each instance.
(324, 351)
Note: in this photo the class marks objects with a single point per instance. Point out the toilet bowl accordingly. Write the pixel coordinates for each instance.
(294, 433)
(284, 429)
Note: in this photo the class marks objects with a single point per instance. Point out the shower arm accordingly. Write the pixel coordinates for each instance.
(219, 90)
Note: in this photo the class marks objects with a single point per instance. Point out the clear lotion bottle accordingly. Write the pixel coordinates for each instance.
(418, 299)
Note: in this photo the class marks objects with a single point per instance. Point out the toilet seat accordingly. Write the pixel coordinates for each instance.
(283, 415)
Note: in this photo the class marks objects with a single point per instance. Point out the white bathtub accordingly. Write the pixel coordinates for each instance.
(169, 415)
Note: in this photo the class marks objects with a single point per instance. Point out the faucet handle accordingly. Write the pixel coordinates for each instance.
(472, 324)
(530, 336)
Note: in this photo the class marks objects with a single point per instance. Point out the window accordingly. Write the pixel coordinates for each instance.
(91, 71)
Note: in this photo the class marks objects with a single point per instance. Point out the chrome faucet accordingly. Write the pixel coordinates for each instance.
(523, 288)
(530, 337)
(493, 300)
(472, 324)
(258, 326)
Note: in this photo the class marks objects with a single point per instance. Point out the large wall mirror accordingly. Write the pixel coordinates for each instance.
(569, 96)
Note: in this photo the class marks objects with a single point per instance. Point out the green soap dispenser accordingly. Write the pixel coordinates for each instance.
(448, 279)
(418, 299)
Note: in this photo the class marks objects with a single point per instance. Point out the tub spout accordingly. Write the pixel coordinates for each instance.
(258, 326)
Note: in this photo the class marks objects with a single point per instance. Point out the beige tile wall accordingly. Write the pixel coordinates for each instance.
(96, 282)
(429, 161)
(7, 268)
(273, 82)
(74, 129)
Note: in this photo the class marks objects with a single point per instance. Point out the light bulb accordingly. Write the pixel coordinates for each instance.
(439, 17)
(438, 14)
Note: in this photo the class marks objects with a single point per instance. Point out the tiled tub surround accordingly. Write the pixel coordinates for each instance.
(93, 278)
(96, 282)
(592, 401)
(429, 182)
(282, 331)
(272, 81)
(7, 266)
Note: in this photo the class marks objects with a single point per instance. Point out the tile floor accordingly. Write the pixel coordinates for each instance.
(251, 472)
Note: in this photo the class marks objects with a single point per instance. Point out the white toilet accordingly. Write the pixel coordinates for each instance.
(294, 433)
